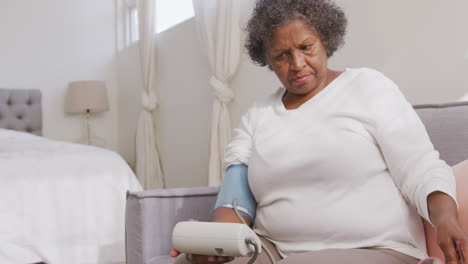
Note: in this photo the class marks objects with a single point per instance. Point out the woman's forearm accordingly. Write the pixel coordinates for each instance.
(228, 215)
(441, 207)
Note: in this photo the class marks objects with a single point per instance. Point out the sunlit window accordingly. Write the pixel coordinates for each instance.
(170, 13)
(133, 24)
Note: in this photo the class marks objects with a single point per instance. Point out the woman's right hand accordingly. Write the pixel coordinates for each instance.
(201, 259)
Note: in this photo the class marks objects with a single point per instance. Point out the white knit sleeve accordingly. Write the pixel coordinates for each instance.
(239, 149)
(410, 156)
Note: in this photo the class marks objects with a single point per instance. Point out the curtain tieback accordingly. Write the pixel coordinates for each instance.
(149, 101)
(221, 90)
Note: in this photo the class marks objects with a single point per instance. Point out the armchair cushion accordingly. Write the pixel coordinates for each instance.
(447, 126)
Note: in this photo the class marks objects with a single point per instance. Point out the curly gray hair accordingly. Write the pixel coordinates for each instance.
(326, 17)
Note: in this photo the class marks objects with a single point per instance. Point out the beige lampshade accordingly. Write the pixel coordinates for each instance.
(83, 96)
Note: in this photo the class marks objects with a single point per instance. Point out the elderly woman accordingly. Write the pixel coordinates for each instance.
(340, 168)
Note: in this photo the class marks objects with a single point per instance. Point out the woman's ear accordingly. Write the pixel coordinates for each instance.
(268, 62)
(325, 44)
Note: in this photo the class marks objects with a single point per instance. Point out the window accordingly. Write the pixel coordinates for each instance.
(133, 24)
(169, 13)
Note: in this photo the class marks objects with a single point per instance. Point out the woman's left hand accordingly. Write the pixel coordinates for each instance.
(450, 236)
(452, 240)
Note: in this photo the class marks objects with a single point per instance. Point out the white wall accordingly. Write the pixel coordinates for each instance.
(46, 44)
(421, 44)
(129, 101)
(186, 101)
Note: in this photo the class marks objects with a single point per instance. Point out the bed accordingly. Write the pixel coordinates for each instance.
(59, 202)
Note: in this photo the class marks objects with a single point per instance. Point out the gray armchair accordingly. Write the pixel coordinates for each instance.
(151, 215)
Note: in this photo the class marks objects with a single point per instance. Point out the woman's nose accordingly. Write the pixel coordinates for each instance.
(297, 61)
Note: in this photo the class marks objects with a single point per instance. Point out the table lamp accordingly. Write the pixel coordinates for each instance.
(86, 97)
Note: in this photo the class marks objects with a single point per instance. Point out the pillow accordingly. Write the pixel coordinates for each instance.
(461, 176)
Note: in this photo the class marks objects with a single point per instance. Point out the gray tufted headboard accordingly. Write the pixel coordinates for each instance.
(21, 110)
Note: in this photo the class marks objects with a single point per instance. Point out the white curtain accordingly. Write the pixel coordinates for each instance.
(218, 25)
(148, 165)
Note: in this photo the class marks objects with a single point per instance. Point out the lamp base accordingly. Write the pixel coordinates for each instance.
(88, 137)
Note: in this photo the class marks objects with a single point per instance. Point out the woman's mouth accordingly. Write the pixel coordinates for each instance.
(301, 79)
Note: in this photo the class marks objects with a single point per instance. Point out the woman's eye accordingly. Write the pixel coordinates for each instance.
(281, 56)
(306, 47)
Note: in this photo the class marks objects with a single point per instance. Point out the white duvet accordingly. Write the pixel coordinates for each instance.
(61, 202)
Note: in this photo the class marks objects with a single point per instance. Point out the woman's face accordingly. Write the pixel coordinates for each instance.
(298, 56)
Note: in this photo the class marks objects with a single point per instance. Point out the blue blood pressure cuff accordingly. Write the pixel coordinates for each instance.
(236, 186)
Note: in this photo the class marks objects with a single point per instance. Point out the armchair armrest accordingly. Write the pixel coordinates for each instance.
(151, 215)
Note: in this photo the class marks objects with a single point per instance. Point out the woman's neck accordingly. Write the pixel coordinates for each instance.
(294, 101)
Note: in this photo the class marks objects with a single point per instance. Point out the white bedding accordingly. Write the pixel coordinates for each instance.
(61, 202)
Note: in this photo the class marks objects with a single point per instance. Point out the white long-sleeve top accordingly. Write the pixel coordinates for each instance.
(347, 169)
